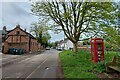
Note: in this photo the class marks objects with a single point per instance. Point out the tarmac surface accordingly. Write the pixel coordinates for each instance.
(38, 65)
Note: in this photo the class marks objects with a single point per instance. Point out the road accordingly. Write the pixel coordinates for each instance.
(43, 65)
(0, 64)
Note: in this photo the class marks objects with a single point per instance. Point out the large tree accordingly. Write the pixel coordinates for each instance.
(112, 32)
(77, 18)
(112, 38)
(45, 39)
(40, 30)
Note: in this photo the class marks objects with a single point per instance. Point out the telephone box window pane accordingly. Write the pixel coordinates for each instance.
(99, 47)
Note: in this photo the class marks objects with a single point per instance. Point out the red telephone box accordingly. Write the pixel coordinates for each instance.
(97, 49)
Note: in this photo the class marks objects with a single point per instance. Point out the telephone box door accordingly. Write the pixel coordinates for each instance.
(97, 49)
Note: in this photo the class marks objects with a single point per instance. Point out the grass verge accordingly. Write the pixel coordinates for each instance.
(80, 65)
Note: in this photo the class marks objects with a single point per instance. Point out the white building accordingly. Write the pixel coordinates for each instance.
(65, 44)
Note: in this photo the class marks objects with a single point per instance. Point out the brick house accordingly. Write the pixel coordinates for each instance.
(19, 38)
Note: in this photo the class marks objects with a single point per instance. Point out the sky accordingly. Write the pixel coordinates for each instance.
(13, 13)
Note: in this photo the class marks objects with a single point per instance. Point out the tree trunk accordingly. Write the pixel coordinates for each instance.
(75, 47)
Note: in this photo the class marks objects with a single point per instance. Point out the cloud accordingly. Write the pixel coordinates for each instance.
(14, 0)
(13, 9)
(19, 13)
(56, 37)
(14, 14)
(0, 14)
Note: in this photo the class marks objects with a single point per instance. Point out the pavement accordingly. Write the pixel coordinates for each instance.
(45, 65)
(8, 59)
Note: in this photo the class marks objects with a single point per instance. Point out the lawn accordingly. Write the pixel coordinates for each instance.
(80, 65)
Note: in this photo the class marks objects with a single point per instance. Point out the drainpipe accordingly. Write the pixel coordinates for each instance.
(29, 43)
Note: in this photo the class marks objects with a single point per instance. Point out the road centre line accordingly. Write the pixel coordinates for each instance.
(37, 68)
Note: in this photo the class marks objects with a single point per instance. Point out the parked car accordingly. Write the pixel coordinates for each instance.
(17, 51)
(21, 51)
(12, 51)
(47, 48)
(59, 48)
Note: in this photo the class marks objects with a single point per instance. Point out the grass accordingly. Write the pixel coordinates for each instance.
(80, 65)
(109, 55)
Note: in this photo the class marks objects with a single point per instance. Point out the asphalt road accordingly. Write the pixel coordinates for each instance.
(0, 65)
(43, 65)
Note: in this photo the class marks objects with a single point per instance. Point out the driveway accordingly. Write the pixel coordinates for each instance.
(43, 65)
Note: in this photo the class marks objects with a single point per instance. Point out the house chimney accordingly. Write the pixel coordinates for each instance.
(18, 25)
(5, 29)
(25, 29)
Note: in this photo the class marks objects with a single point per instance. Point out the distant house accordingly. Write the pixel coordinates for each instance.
(81, 45)
(60, 43)
(65, 44)
(19, 38)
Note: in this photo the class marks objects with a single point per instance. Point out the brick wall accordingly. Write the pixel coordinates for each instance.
(34, 45)
(5, 47)
(18, 38)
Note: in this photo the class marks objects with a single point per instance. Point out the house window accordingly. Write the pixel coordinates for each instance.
(18, 32)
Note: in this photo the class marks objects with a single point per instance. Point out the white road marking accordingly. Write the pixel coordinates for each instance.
(47, 68)
(36, 68)
(24, 60)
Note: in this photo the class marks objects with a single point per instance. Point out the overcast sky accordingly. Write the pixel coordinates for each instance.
(13, 12)
(19, 13)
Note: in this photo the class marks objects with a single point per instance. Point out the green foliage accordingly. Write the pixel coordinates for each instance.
(79, 18)
(86, 42)
(109, 55)
(41, 31)
(54, 44)
(46, 37)
(112, 38)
